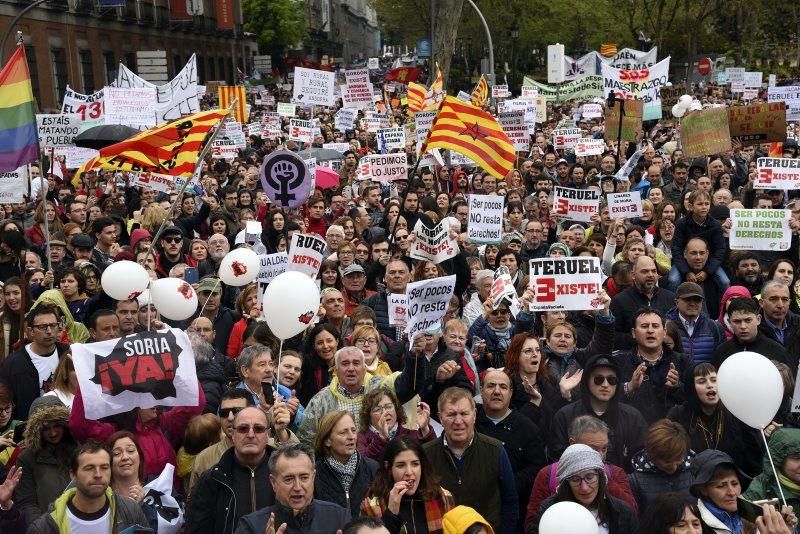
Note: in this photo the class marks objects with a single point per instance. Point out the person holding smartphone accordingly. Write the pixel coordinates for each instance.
(784, 445)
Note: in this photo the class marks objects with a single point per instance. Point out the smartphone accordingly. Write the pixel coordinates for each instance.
(269, 394)
(191, 276)
(19, 432)
(750, 511)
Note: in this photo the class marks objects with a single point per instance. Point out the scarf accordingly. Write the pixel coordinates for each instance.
(788, 484)
(503, 336)
(347, 471)
(731, 520)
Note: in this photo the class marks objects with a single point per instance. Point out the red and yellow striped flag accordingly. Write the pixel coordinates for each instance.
(170, 149)
(470, 131)
(480, 95)
(608, 49)
(436, 93)
(416, 96)
(227, 93)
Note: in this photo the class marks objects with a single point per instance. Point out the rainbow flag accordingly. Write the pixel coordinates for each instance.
(19, 139)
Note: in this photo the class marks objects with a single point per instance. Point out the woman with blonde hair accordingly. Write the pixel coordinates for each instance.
(65, 381)
(368, 340)
(152, 217)
(36, 234)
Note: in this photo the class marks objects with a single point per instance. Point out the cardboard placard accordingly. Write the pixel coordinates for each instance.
(705, 132)
(757, 123)
(631, 121)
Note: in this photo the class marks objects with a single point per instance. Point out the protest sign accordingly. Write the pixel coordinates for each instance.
(592, 111)
(286, 179)
(530, 92)
(513, 124)
(300, 130)
(590, 147)
(576, 204)
(760, 229)
(357, 94)
(356, 76)
(631, 120)
(58, 130)
(757, 123)
(485, 220)
(175, 98)
(582, 88)
(398, 309)
(286, 109)
(464, 97)
(625, 205)
(306, 254)
(749, 94)
(89, 107)
(737, 87)
(566, 137)
(669, 97)
(427, 303)
(376, 122)
(705, 132)
(271, 123)
(338, 147)
(271, 266)
(345, 119)
(644, 84)
(14, 185)
(313, 87)
(392, 137)
(752, 79)
(790, 95)
(76, 156)
(502, 288)
(135, 107)
(157, 182)
(631, 59)
(500, 91)
(568, 284)
(433, 244)
(735, 74)
(387, 167)
(777, 173)
(141, 370)
(374, 63)
(224, 149)
(773, 80)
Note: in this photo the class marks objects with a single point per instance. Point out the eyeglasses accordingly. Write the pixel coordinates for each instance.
(589, 478)
(346, 253)
(173, 239)
(365, 341)
(46, 327)
(225, 412)
(388, 407)
(401, 237)
(495, 313)
(529, 352)
(245, 429)
(7, 409)
(599, 379)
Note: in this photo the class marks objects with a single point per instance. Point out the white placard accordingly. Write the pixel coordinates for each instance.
(338, 147)
(592, 111)
(773, 80)
(156, 182)
(500, 91)
(625, 205)
(590, 147)
(398, 309)
(463, 96)
(272, 124)
(777, 173)
(91, 107)
(300, 130)
(735, 74)
(485, 219)
(306, 254)
(76, 156)
(175, 98)
(752, 79)
(14, 185)
(313, 87)
(388, 167)
(427, 303)
(271, 266)
(433, 244)
(576, 204)
(644, 84)
(134, 107)
(393, 137)
(566, 137)
(224, 149)
(530, 92)
(568, 284)
(373, 63)
(760, 229)
(287, 109)
(514, 126)
(345, 119)
(423, 121)
(58, 130)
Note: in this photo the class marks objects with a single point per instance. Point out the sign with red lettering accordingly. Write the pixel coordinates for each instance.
(576, 204)
(137, 371)
(306, 254)
(625, 205)
(777, 173)
(566, 284)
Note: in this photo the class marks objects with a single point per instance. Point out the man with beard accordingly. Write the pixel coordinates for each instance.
(535, 245)
(91, 505)
(748, 272)
(171, 242)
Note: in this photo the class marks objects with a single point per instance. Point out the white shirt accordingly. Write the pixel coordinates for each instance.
(45, 366)
(101, 525)
(688, 324)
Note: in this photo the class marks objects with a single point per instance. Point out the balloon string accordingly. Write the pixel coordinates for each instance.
(209, 297)
(772, 464)
(280, 352)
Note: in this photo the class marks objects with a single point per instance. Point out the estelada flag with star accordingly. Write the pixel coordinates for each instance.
(470, 131)
(480, 95)
(170, 149)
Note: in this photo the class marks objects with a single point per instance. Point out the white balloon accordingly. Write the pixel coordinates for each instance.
(173, 298)
(750, 387)
(696, 105)
(678, 111)
(290, 302)
(686, 100)
(124, 280)
(239, 267)
(568, 516)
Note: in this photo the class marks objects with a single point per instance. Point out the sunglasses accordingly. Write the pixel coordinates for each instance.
(599, 379)
(225, 412)
(495, 313)
(245, 429)
(173, 239)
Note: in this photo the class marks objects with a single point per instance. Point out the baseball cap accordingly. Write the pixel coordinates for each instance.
(83, 241)
(689, 289)
(209, 283)
(352, 268)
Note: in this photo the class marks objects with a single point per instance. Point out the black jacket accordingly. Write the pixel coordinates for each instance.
(380, 305)
(791, 339)
(542, 415)
(328, 487)
(648, 481)
(652, 398)
(211, 376)
(761, 345)
(320, 517)
(622, 518)
(628, 302)
(212, 508)
(19, 374)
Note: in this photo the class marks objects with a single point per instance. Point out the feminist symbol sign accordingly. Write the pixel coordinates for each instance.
(286, 179)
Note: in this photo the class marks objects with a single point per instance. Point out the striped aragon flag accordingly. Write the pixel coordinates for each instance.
(480, 95)
(608, 49)
(470, 131)
(19, 137)
(416, 96)
(170, 149)
(227, 93)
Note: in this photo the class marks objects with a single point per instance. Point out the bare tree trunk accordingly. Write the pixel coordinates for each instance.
(447, 17)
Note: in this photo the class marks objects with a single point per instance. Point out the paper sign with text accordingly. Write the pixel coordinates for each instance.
(135, 107)
(306, 254)
(58, 130)
(592, 111)
(300, 130)
(590, 147)
(760, 229)
(398, 309)
(271, 266)
(568, 284)
(576, 204)
(485, 219)
(387, 167)
(345, 119)
(513, 124)
(393, 137)
(286, 109)
(91, 107)
(433, 244)
(313, 87)
(777, 173)
(566, 137)
(427, 303)
(625, 205)
(14, 185)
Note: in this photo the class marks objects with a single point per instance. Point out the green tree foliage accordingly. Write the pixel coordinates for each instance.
(279, 24)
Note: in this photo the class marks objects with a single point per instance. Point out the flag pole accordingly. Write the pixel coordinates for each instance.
(200, 158)
(44, 212)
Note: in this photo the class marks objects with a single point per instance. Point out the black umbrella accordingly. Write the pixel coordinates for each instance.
(98, 137)
(322, 154)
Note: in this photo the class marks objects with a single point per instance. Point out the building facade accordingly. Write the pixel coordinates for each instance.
(346, 29)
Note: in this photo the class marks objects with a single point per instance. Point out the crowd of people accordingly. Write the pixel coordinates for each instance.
(480, 423)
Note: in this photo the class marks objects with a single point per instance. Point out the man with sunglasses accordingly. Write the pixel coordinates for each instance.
(239, 483)
(601, 397)
(170, 251)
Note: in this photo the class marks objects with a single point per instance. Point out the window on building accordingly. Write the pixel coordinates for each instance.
(177, 62)
(30, 54)
(201, 69)
(87, 70)
(110, 67)
(212, 70)
(130, 60)
(58, 63)
(221, 63)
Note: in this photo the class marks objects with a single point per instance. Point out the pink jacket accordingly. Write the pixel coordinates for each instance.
(158, 447)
